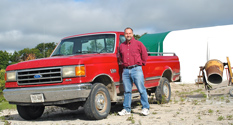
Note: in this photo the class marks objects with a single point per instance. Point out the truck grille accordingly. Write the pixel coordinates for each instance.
(39, 76)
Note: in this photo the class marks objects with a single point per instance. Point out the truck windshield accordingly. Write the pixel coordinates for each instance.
(103, 43)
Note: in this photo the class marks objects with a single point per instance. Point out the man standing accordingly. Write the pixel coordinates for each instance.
(133, 55)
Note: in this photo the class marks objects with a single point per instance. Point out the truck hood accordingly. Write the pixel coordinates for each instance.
(62, 61)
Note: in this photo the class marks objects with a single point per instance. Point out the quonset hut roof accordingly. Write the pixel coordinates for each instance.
(154, 42)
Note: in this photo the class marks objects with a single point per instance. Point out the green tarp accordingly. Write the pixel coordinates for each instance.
(154, 42)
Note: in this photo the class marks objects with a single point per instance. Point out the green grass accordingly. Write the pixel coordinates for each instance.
(3, 119)
(131, 118)
(220, 118)
(6, 105)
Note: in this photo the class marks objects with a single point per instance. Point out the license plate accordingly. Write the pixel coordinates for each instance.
(35, 98)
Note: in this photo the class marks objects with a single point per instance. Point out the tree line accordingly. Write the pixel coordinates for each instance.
(42, 50)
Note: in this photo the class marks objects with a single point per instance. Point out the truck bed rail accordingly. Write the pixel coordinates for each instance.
(161, 53)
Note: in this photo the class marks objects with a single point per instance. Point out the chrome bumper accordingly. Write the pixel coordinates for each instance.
(52, 94)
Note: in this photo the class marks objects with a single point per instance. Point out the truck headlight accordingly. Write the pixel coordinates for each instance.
(73, 71)
(10, 76)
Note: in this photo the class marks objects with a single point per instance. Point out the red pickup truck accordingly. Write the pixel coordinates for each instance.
(83, 70)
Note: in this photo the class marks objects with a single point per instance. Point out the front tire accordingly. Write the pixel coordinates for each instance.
(98, 104)
(30, 112)
(163, 91)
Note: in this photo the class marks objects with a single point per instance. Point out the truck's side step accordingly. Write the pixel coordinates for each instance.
(134, 95)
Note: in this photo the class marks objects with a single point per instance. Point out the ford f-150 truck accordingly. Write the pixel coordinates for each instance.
(84, 70)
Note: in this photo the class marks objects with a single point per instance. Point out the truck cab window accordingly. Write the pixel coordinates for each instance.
(101, 43)
(65, 48)
(122, 39)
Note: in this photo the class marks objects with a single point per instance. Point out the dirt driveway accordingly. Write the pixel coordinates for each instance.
(188, 105)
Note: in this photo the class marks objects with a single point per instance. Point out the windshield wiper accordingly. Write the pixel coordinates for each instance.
(58, 55)
(86, 52)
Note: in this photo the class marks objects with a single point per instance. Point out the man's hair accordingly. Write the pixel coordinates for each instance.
(128, 28)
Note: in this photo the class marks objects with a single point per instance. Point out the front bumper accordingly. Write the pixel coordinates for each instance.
(52, 94)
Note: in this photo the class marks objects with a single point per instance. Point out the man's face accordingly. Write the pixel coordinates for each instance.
(128, 34)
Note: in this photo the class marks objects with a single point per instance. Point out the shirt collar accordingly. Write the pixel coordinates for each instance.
(130, 40)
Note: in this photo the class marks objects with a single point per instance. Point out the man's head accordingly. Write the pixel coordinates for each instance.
(128, 33)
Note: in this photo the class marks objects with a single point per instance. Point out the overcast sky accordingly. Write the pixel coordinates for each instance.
(26, 23)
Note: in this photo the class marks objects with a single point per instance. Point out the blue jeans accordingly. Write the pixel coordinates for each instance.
(130, 76)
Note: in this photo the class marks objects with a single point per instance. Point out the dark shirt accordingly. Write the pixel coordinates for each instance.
(134, 53)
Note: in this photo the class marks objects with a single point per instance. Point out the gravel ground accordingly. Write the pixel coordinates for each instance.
(189, 105)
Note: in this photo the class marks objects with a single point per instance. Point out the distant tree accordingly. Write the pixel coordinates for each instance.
(4, 59)
(2, 84)
(137, 37)
(14, 58)
(25, 53)
(45, 49)
(40, 51)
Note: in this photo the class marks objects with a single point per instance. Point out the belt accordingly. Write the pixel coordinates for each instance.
(130, 67)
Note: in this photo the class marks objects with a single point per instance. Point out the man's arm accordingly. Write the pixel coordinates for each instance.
(119, 57)
(144, 54)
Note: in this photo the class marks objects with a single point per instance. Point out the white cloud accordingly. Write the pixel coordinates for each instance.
(27, 23)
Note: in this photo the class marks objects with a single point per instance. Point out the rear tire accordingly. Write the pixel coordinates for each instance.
(30, 112)
(163, 91)
(98, 104)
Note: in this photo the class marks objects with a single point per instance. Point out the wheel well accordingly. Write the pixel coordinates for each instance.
(108, 82)
(168, 74)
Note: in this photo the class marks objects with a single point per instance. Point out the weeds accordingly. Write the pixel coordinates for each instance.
(5, 105)
(131, 118)
(229, 117)
(220, 118)
(195, 102)
(3, 119)
(182, 99)
(222, 98)
(210, 111)
(199, 117)
(204, 94)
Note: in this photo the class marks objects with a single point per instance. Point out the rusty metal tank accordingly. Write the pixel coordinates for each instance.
(214, 71)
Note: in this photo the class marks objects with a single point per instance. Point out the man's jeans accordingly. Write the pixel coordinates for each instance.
(130, 76)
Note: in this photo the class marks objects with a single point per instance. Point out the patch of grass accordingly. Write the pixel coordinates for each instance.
(185, 92)
(222, 98)
(203, 100)
(195, 102)
(199, 117)
(217, 112)
(210, 111)
(182, 99)
(2, 97)
(198, 90)
(229, 117)
(220, 118)
(204, 94)
(6, 105)
(3, 119)
(131, 118)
